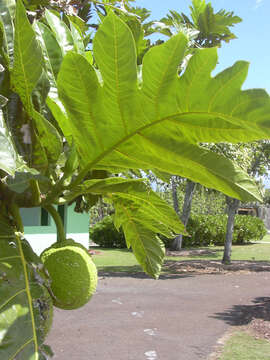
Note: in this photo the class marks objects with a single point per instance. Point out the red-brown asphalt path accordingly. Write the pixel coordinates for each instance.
(174, 318)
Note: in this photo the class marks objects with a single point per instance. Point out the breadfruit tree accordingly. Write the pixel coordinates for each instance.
(68, 114)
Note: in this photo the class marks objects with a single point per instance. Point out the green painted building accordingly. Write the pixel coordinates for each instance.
(40, 229)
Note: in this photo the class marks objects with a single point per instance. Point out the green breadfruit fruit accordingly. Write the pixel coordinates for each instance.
(72, 272)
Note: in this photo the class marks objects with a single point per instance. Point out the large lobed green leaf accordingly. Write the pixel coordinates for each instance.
(119, 122)
(142, 215)
(115, 124)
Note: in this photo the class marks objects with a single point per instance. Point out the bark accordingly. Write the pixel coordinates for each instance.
(190, 189)
(233, 205)
(174, 196)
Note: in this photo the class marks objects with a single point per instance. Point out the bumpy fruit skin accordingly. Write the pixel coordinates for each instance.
(72, 272)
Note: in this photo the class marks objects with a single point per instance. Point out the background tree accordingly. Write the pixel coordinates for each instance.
(266, 198)
(254, 158)
(209, 28)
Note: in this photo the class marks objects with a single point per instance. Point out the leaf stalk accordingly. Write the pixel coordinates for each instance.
(61, 235)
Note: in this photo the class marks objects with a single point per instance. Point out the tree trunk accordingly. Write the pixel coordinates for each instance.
(174, 196)
(190, 189)
(233, 205)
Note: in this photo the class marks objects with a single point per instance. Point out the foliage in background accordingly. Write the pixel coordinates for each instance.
(99, 211)
(266, 198)
(205, 230)
(252, 157)
(205, 201)
(104, 234)
(209, 28)
(248, 228)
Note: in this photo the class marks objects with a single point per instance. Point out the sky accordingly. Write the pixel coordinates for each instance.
(253, 34)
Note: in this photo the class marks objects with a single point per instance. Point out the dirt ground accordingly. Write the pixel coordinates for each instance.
(181, 316)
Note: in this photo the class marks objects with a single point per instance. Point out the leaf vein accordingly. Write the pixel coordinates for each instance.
(28, 292)
(90, 112)
(226, 84)
(12, 297)
(117, 78)
(20, 349)
(132, 222)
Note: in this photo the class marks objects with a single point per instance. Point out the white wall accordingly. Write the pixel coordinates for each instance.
(42, 241)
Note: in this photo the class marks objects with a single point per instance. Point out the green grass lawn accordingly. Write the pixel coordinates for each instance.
(116, 260)
(266, 238)
(242, 346)
(255, 252)
(123, 260)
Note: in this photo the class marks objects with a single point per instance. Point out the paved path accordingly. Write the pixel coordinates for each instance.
(177, 318)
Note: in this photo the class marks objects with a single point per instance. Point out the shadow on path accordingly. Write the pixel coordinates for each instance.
(244, 314)
(187, 268)
(214, 266)
(135, 272)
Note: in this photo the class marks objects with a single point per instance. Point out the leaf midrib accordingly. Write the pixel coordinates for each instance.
(20, 349)
(148, 202)
(133, 223)
(19, 52)
(90, 165)
(29, 297)
(91, 113)
(117, 78)
(198, 71)
(48, 56)
(203, 168)
(158, 95)
(224, 85)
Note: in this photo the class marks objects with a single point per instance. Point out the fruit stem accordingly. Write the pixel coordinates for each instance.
(61, 235)
(57, 189)
(35, 192)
